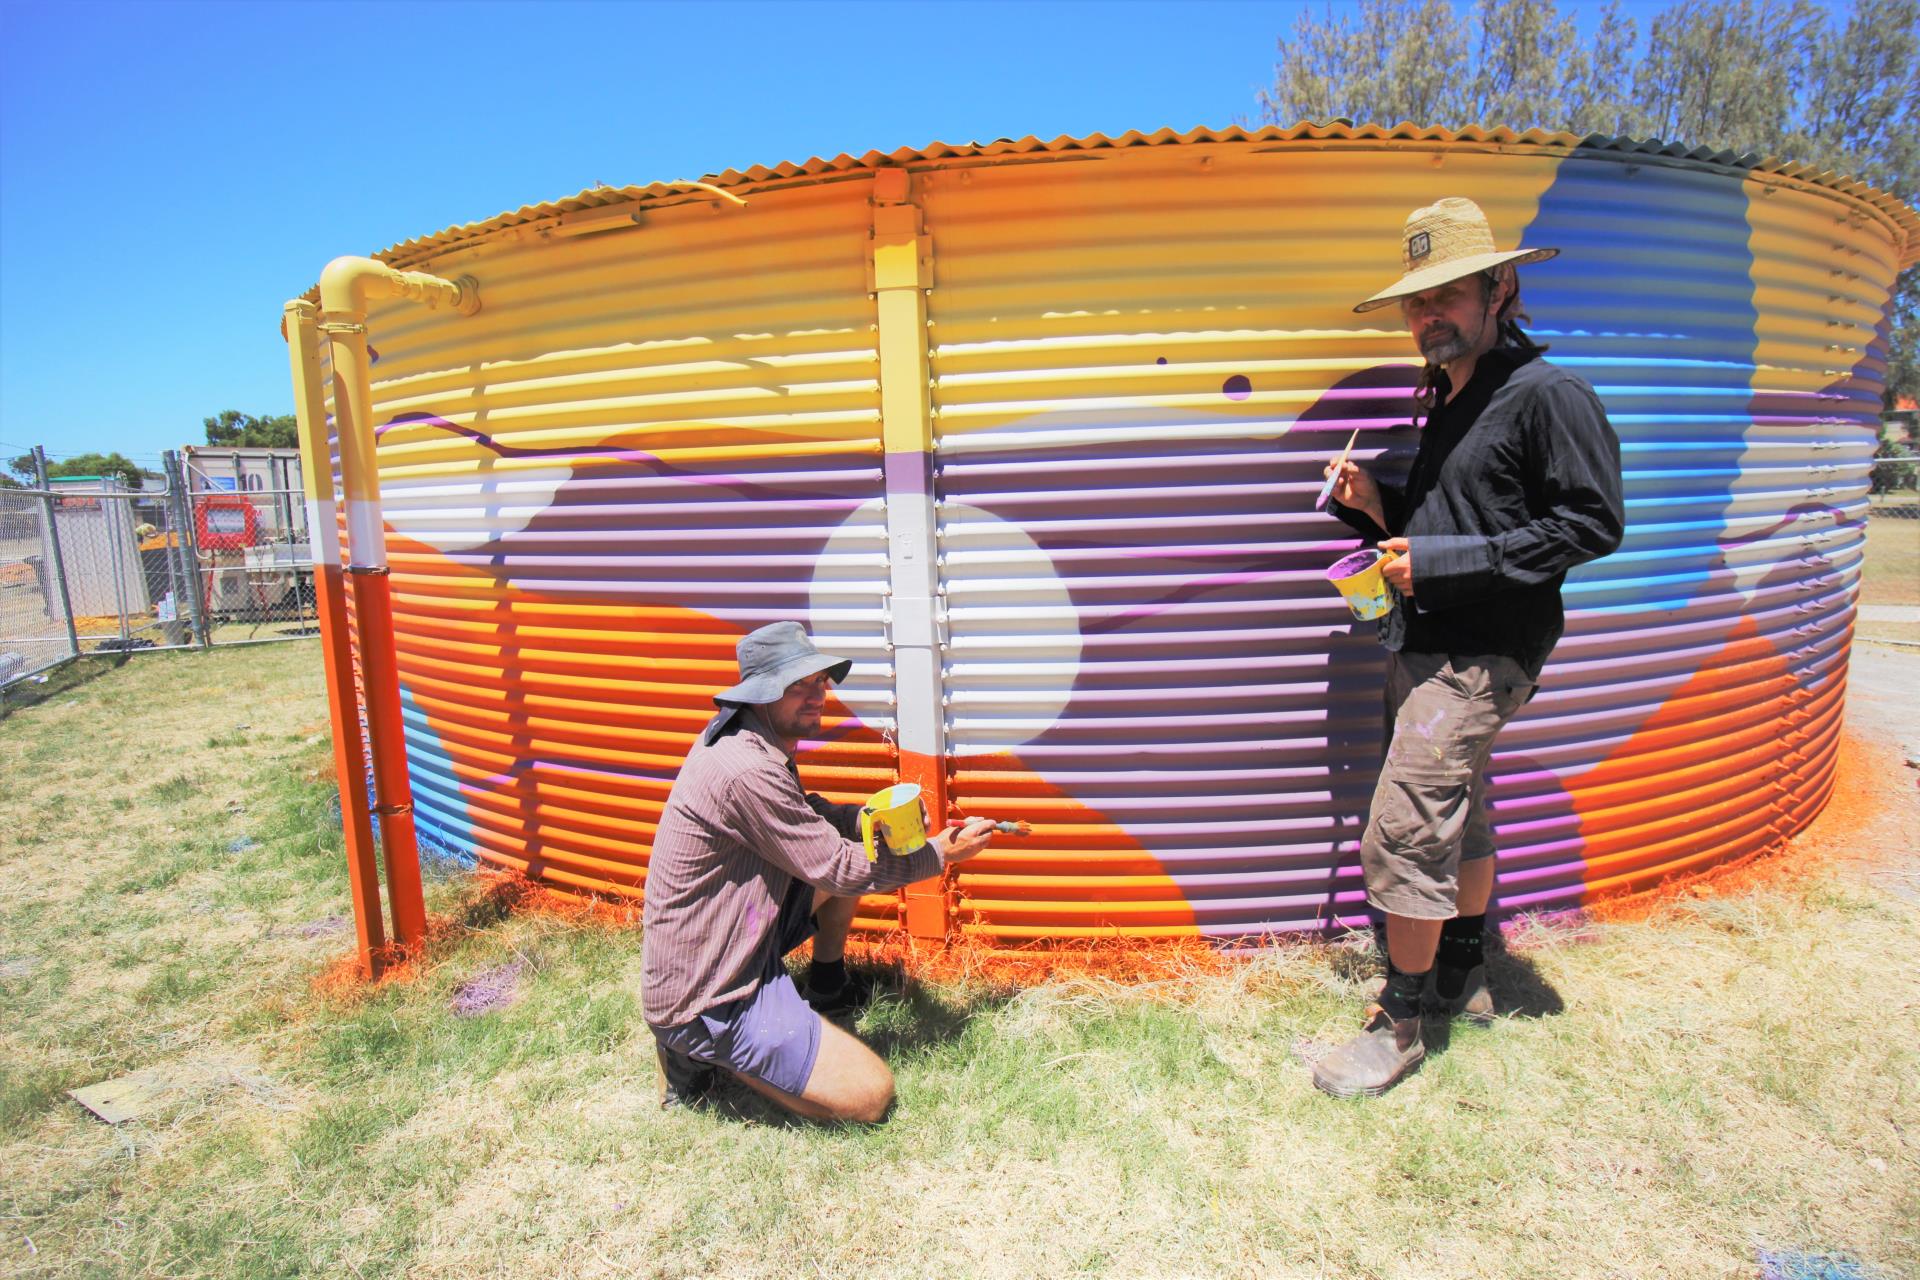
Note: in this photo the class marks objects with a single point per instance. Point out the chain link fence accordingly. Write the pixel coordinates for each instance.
(217, 553)
(34, 635)
(1893, 490)
(246, 518)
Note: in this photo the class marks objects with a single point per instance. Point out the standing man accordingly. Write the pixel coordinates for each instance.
(1516, 480)
(745, 867)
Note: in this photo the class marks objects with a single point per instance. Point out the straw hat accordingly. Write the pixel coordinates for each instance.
(1447, 240)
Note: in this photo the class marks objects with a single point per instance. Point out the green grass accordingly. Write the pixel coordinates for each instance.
(1726, 1074)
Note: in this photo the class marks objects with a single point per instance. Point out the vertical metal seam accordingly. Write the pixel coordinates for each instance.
(899, 271)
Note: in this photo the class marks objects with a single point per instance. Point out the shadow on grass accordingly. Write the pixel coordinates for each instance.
(1518, 989)
(30, 692)
(1518, 992)
(904, 1017)
(907, 1017)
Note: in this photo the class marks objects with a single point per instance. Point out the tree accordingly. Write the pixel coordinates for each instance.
(1777, 77)
(83, 464)
(236, 430)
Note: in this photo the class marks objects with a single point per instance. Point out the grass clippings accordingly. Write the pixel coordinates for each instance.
(1676, 1088)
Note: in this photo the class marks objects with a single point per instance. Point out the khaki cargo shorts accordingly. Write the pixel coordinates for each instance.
(1429, 808)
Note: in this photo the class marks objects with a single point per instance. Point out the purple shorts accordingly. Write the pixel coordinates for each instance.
(771, 1035)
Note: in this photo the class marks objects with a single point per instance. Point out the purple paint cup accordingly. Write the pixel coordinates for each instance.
(1358, 579)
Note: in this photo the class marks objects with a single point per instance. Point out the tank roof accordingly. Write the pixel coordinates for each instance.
(1900, 218)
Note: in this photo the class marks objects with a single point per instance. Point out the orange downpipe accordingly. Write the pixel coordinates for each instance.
(363, 877)
(347, 286)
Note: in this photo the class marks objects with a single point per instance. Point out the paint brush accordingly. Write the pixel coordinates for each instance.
(1326, 490)
(1014, 828)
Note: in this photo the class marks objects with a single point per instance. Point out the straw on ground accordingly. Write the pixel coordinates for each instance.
(1725, 1075)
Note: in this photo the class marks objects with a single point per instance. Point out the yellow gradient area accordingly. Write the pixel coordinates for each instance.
(1057, 294)
(1815, 264)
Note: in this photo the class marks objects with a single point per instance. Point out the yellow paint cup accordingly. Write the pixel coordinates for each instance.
(1360, 581)
(891, 820)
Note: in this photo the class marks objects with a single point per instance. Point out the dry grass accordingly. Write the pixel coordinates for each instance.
(1891, 573)
(1720, 1075)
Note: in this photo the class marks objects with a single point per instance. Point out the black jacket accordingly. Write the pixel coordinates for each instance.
(1515, 482)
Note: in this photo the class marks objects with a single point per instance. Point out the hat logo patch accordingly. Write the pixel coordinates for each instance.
(1419, 245)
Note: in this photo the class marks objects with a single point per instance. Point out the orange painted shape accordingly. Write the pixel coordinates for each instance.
(1625, 852)
(926, 908)
(1031, 895)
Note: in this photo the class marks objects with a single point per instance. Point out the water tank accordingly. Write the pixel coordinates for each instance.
(1031, 430)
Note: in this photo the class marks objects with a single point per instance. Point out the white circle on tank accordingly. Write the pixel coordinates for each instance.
(1012, 649)
(846, 600)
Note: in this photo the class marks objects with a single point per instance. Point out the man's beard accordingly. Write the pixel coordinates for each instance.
(1446, 345)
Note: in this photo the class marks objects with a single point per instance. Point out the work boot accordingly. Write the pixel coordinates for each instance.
(1475, 1001)
(1373, 1061)
(684, 1081)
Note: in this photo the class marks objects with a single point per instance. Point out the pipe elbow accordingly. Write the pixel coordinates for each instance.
(348, 283)
(345, 283)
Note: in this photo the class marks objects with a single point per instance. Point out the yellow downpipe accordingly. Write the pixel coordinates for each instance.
(347, 286)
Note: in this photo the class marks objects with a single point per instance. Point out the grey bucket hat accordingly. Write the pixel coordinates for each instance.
(774, 657)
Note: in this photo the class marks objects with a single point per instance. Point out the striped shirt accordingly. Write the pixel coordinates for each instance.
(737, 832)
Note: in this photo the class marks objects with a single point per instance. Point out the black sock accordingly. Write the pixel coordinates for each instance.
(1401, 996)
(827, 975)
(1463, 946)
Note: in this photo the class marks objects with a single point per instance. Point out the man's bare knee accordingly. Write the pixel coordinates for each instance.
(849, 1081)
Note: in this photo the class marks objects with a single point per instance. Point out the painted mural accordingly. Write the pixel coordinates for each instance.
(1138, 359)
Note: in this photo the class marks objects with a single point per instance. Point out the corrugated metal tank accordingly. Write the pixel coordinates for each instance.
(1111, 372)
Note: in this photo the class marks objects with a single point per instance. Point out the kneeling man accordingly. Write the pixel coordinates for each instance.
(746, 866)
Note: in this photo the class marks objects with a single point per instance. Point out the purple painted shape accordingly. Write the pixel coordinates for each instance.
(491, 989)
(742, 486)
(486, 441)
(1238, 387)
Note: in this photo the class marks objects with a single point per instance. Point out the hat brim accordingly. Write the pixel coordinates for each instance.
(1458, 269)
(771, 686)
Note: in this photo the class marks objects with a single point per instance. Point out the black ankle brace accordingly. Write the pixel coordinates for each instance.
(1463, 942)
(1401, 996)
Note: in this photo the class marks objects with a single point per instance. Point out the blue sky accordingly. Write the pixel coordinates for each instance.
(171, 173)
